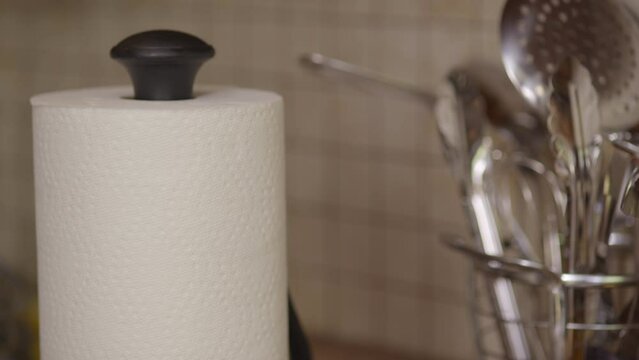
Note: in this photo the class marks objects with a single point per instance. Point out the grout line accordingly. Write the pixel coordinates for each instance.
(327, 16)
(378, 239)
(331, 188)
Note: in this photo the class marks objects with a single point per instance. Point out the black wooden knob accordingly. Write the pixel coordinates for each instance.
(162, 64)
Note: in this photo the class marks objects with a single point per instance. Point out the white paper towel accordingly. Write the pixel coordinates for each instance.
(161, 226)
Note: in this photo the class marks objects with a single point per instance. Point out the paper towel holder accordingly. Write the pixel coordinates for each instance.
(162, 64)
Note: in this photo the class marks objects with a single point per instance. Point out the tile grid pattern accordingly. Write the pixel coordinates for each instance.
(368, 191)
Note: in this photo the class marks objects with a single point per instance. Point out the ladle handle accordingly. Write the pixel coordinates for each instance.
(347, 71)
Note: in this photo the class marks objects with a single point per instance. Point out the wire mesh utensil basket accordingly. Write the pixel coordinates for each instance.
(607, 327)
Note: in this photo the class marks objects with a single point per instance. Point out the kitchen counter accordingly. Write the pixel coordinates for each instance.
(326, 349)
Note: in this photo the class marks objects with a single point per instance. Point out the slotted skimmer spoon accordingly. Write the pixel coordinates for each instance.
(602, 34)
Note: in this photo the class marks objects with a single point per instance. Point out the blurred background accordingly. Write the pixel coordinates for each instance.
(368, 188)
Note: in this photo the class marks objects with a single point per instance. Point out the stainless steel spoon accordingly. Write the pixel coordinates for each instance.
(537, 35)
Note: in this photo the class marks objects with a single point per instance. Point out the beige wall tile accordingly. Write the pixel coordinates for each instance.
(464, 9)
(357, 312)
(309, 293)
(406, 256)
(356, 114)
(352, 45)
(453, 336)
(441, 198)
(354, 249)
(491, 9)
(429, 142)
(222, 36)
(305, 177)
(305, 5)
(354, 178)
(311, 111)
(401, 122)
(410, 325)
(398, 48)
(418, 9)
(354, 6)
(307, 240)
(402, 186)
(270, 48)
(456, 44)
(447, 270)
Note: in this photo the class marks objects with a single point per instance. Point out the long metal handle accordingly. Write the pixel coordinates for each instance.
(352, 72)
(483, 217)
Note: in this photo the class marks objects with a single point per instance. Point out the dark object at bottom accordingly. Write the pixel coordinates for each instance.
(600, 354)
(299, 347)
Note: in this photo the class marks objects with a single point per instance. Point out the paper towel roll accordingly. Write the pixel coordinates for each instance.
(161, 225)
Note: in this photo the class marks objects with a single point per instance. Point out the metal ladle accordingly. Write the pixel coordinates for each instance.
(537, 35)
(603, 35)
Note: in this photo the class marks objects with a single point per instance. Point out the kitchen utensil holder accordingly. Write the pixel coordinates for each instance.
(552, 290)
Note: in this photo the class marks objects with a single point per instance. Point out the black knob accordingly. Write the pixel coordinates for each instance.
(162, 63)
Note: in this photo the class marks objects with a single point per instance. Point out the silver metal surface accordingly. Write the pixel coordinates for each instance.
(537, 35)
(462, 124)
(505, 266)
(574, 124)
(576, 61)
(360, 75)
(551, 220)
(630, 197)
(597, 281)
(613, 334)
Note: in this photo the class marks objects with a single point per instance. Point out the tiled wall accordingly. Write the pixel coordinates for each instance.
(368, 190)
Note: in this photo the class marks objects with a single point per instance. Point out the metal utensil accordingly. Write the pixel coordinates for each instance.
(602, 34)
(460, 111)
(359, 75)
(538, 35)
(574, 125)
(574, 119)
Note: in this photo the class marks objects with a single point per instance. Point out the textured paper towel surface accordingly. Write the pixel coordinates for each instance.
(161, 226)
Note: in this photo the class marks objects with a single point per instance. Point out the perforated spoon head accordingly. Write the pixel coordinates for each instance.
(537, 35)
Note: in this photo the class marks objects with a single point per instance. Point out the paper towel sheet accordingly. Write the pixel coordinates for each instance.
(161, 225)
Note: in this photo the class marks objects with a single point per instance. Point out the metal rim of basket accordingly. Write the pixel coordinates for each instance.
(535, 274)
